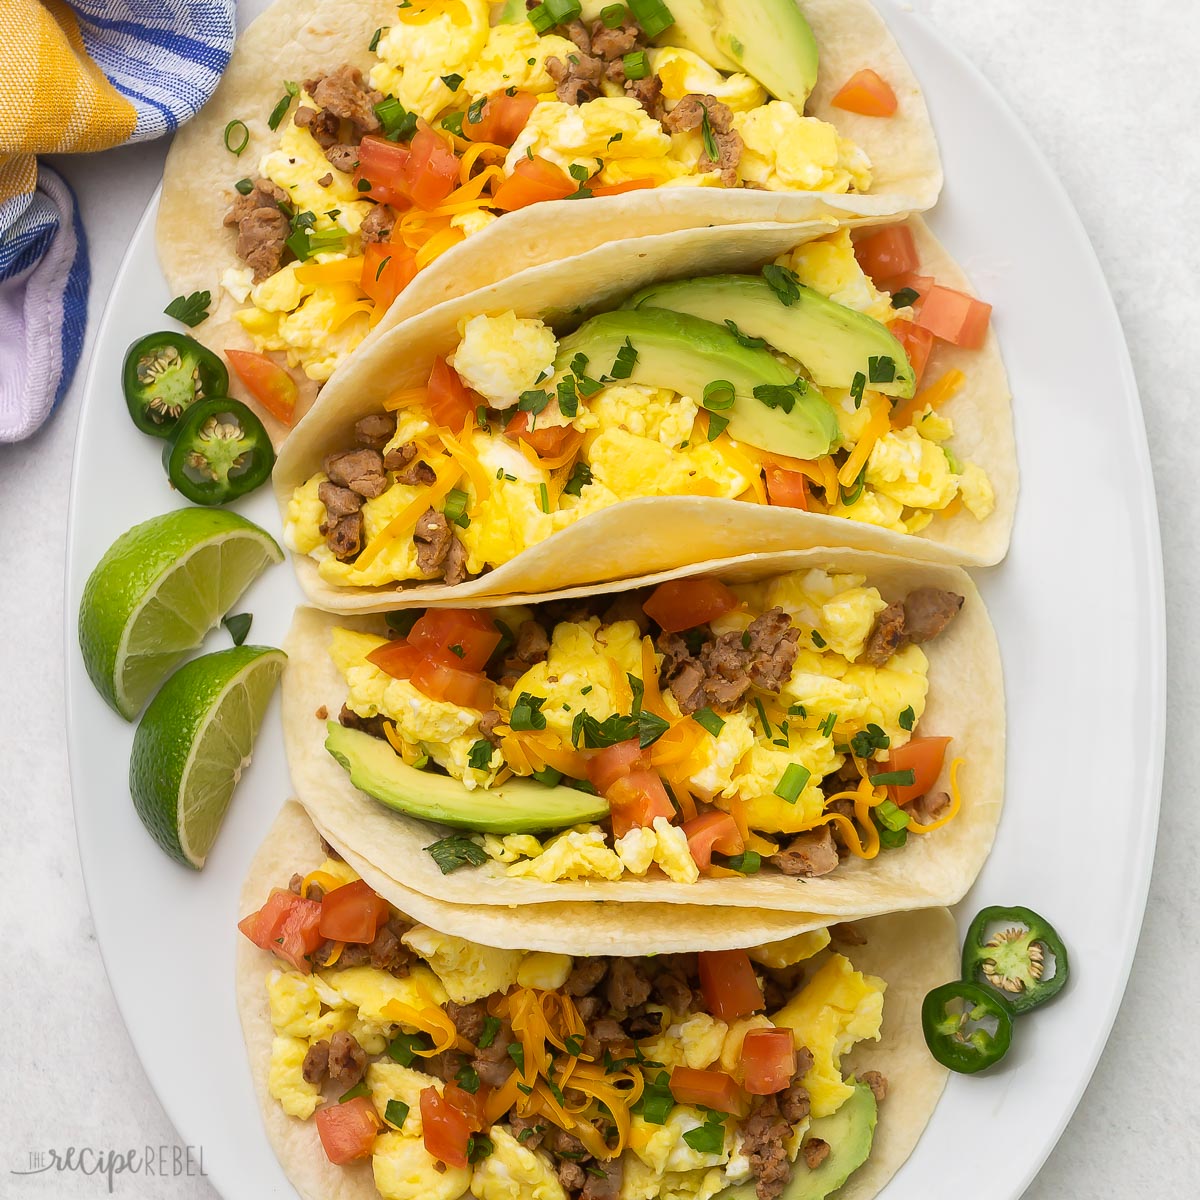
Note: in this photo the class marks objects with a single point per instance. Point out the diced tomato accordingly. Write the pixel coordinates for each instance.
(422, 174)
(353, 913)
(712, 1089)
(467, 689)
(636, 800)
(712, 831)
(348, 1130)
(685, 603)
(890, 252)
(917, 343)
(472, 1105)
(457, 637)
(502, 119)
(613, 763)
(267, 382)
(924, 757)
(768, 1061)
(384, 166)
(868, 94)
(955, 317)
(548, 441)
(730, 987)
(532, 180)
(786, 489)
(388, 268)
(917, 283)
(288, 925)
(449, 400)
(397, 659)
(446, 1130)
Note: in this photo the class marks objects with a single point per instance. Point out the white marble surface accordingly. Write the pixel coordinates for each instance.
(1108, 90)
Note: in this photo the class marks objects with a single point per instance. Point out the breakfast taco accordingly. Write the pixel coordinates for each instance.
(812, 732)
(352, 144)
(503, 444)
(398, 1061)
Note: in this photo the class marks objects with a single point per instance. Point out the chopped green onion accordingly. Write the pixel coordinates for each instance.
(363, 185)
(652, 15)
(826, 726)
(707, 719)
(453, 122)
(818, 640)
(784, 283)
(290, 93)
(238, 131)
(708, 1138)
(359, 1089)
(793, 782)
(711, 149)
(636, 66)
(907, 719)
(952, 460)
(398, 123)
(716, 426)
(383, 264)
(404, 1046)
(453, 82)
(748, 862)
(889, 839)
(873, 738)
(553, 12)
(453, 852)
(905, 298)
(373, 44)
(857, 387)
(244, 187)
(881, 369)
(481, 422)
(543, 498)
(475, 111)
(894, 779)
(455, 508)
(718, 395)
(527, 713)
(657, 1101)
(479, 1147)
(548, 776)
(852, 496)
(395, 1113)
(891, 816)
(613, 16)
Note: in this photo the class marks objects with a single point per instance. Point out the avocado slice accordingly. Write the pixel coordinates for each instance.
(769, 40)
(849, 1132)
(686, 353)
(833, 343)
(518, 806)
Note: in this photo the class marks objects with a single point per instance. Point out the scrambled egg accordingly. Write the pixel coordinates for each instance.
(644, 1183)
(838, 1007)
(405, 1170)
(603, 131)
(720, 756)
(285, 1078)
(390, 1081)
(788, 951)
(515, 57)
(501, 357)
(787, 151)
(541, 969)
(911, 470)
(629, 466)
(371, 990)
(662, 1148)
(655, 413)
(576, 854)
(827, 265)
(466, 971)
(759, 774)
(976, 490)
(511, 1172)
(664, 846)
(684, 73)
(414, 56)
(695, 1042)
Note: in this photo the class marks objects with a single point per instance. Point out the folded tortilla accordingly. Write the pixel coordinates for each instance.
(295, 40)
(965, 701)
(912, 951)
(637, 538)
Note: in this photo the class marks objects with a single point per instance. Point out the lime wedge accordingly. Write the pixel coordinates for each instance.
(158, 590)
(193, 743)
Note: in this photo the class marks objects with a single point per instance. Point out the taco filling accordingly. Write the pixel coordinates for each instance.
(799, 387)
(458, 1069)
(471, 110)
(699, 729)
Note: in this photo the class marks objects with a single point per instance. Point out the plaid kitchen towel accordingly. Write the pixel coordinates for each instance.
(78, 77)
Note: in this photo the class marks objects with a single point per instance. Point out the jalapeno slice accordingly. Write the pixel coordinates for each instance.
(967, 1027)
(164, 375)
(218, 452)
(1015, 960)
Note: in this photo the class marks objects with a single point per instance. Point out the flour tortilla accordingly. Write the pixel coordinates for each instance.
(914, 952)
(637, 538)
(966, 702)
(299, 39)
